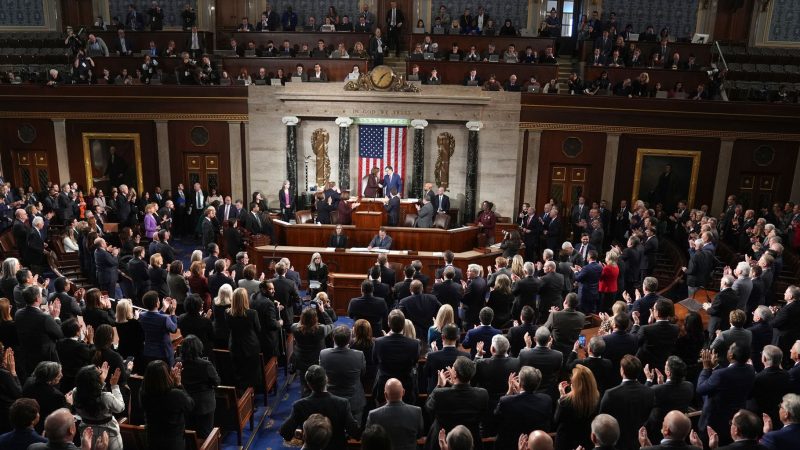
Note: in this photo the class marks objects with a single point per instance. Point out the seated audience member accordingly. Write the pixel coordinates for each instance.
(455, 54)
(507, 29)
(401, 421)
(433, 78)
(382, 240)
(492, 84)
(530, 56)
(455, 402)
(317, 75)
(345, 24)
(549, 57)
(491, 53)
(340, 52)
(322, 402)
(245, 25)
(472, 55)
(511, 85)
(320, 51)
(511, 55)
(531, 85)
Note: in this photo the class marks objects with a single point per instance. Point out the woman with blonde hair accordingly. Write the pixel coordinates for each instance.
(158, 276)
(408, 330)
(317, 274)
(518, 266)
(129, 331)
(222, 303)
(243, 343)
(576, 409)
(445, 316)
(150, 222)
(500, 300)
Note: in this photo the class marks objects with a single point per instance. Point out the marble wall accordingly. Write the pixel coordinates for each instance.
(446, 108)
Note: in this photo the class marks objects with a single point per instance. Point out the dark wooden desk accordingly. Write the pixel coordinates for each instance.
(349, 262)
(403, 238)
(342, 287)
(368, 219)
(701, 51)
(298, 38)
(446, 41)
(454, 72)
(140, 40)
(335, 69)
(667, 77)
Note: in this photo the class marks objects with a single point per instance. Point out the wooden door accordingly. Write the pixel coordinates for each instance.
(31, 169)
(229, 13)
(733, 21)
(77, 14)
(757, 190)
(203, 169)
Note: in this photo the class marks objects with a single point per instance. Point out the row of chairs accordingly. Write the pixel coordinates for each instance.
(759, 91)
(769, 55)
(764, 72)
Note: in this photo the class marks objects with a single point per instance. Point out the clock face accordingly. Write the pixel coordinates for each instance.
(382, 77)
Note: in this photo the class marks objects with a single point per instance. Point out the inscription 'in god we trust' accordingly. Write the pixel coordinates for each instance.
(380, 112)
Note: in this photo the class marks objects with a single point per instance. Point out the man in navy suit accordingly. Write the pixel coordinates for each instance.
(105, 259)
(449, 291)
(157, 326)
(788, 436)
(620, 343)
(544, 358)
(391, 181)
(481, 333)
(38, 331)
(725, 389)
(382, 240)
(381, 289)
(588, 279)
(724, 302)
(787, 322)
(449, 256)
(630, 402)
(370, 308)
(474, 296)
(420, 308)
(643, 304)
(393, 208)
(441, 202)
(227, 210)
(523, 409)
(585, 247)
(442, 359)
(396, 357)
(552, 231)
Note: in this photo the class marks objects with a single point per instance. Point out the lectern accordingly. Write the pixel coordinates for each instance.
(368, 219)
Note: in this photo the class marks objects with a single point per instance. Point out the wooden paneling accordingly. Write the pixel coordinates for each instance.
(455, 72)
(181, 144)
(298, 38)
(10, 144)
(482, 42)
(147, 136)
(552, 154)
(629, 144)
(733, 20)
(750, 163)
(666, 77)
(335, 69)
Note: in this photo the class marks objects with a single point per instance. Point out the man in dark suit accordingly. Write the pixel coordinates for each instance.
(620, 343)
(481, 334)
(394, 23)
(106, 264)
(588, 278)
(403, 422)
(746, 427)
(449, 257)
(460, 404)
(20, 230)
(269, 317)
(629, 403)
(195, 44)
(522, 410)
(164, 248)
(133, 20)
(396, 357)
(420, 309)
(336, 409)
(786, 323)
(36, 247)
(656, 340)
(418, 275)
(65, 205)
(251, 221)
(138, 272)
(525, 290)
(789, 435)
(736, 334)
(441, 202)
(220, 277)
(601, 367)
(531, 230)
(474, 297)
(604, 43)
(761, 335)
(770, 385)
(449, 291)
(210, 261)
(672, 393)
(381, 289)
(344, 367)
(565, 325)
(208, 228)
(631, 260)
(698, 271)
(393, 208)
(725, 389)
(547, 360)
(552, 231)
(402, 289)
(38, 331)
(387, 273)
(286, 293)
(272, 18)
(675, 429)
(123, 206)
(370, 308)
(552, 284)
(425, 214)
(492, 374)
(650, 247)
(516, 334)
(644, 303)
(227, 210)
(382, 240)
(579, 218)
(70, 306)
(439, 359)
(719, 310)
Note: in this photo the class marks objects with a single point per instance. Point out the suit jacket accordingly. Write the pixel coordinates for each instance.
(344, 368)
(474, 299)
(388, 276)
(738, 336)
(672, 445)
(643, 305)
(157, 327)
(458, 276)
(699, 269)
(630, 403)
(481, 333)
(403, 423)
(552, 284)
(335, 408)
(35, 247)
(566, 325)
(769, 387)
(668, 396)
(438, 360)
(516, 337)
(743, 288)
(393, 210)
(554, 234)
(425, 216)
(233, 212)
(337, 241)
(445, 202)
(216, 281)
(396, 357)
(449, 292)
(521, 413)
(601, 368)
(420, 309)
(106, 265)
(631, 257)
(744, 445)
(656, 342)
(588, 284)
(619, 344)
(385, 243)
(38, 334)
(209, 232)
(786, 437)
(117, 45)
(548, 361)
(372, 309)
(787, 325)
(402, 289)
(461, 404)
(650, 247)
(20, 231)
(725, 390)
(525, 292)
(200, 41)
(724, 302)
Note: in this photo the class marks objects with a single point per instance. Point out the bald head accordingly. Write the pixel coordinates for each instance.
(59, 427)
(540, 440)
(676, 425)
(393, 390)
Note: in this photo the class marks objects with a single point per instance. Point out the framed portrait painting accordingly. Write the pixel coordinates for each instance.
(666, 177)
(112, 159)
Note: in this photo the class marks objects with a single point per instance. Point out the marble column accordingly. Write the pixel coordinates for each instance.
(62, 154)
(610, 167)
(418, 158)
(235, 149)
(721, 179)
(291, 123)
(471, 189)
(532, 166)
(344, 152)
(162, 142)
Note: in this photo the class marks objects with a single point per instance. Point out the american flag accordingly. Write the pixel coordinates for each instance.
(381, 146)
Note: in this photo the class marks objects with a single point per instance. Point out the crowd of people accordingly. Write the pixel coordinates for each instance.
(504, 350)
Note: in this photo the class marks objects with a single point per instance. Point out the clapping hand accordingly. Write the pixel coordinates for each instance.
(434, 346)
(114, 381)
(644, 441)
(522, 443)
(479, 348)
(176, 373)
(513, 384)
(562, 388)
(528, 340)
(767, 423)
(55, 308)
(636, 317)
(103, 371)
(626, 297)
(9, 362)
(707, 358)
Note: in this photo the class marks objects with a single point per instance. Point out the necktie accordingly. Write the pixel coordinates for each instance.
(440, 203)
(287, 198)
(124, 50)
(394, 17)
(194, 42)
(227, 211)
(199, 200)
(258, 220)
(583, 250)
(152, 52)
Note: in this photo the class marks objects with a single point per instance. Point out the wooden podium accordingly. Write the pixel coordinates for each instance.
(342, 287)
(368, 219)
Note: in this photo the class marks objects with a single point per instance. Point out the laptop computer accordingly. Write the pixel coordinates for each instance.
(454, 57)
(419, 30)
(427, 56)
(416, 56)
(249, 53)
(532, 89)
(661, 94)
(275, 82)
(472, 82)
(260, 82)
(238, 82)
(494, 58)
(412, 78)
(297, 79)
(633, 37)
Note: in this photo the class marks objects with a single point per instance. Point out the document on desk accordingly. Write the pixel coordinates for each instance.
(359, 249)
(438, 254)
(379, 250)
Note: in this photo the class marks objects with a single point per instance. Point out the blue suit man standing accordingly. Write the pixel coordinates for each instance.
(392, 180)
(789, 435)
(588, 279)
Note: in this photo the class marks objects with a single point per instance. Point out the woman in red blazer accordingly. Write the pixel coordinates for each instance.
(608, 280)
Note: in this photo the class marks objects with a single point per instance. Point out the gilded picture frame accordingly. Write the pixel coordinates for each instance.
(653, 184)
(127, 168)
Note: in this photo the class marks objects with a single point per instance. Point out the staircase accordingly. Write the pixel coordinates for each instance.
(398, 64)
(566, 65)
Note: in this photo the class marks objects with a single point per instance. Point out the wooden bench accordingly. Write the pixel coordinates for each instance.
(224, 365)
(134, 437)
(233, 410)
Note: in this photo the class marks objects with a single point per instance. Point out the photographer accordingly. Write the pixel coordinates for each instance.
(309, 339)
(511, 243)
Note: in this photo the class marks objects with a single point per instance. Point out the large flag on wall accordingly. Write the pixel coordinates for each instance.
(381, 146)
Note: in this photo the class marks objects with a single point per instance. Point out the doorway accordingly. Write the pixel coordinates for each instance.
(567, 183)
(203, 169)
(757, 190)
(31, 169)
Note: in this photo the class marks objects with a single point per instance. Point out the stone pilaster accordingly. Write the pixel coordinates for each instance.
(344, 152)
(291, 123)
(418, 163)
(471, 191)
